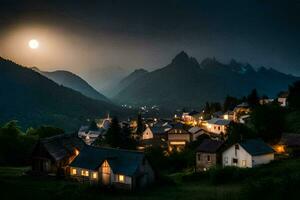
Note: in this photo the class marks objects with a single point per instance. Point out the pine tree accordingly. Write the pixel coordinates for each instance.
(140, 125)
(113, 135)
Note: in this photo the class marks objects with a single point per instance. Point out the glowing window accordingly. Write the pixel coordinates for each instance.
(95, 175)
(244, 163)
(84, 173)
(121, 178)
(74, 171)
(105, 167)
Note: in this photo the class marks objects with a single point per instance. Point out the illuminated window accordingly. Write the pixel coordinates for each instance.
(105, 167)
(95, 175)
(244, 163)
(121, 178)
(84, 173)
(74, 171)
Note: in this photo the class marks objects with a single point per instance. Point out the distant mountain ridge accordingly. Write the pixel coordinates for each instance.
(186, 83)
(34, 100)
(73, 81)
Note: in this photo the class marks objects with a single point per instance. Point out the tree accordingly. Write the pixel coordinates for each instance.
(44, 131)
(15, 146)
(268, 122)
(230, 103)
(238, 132)
(140, 125)
(113, 136)
(294, 96)
(93, 126)
(253, 99)
(128, 141)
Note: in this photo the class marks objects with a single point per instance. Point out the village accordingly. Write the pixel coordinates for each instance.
(85, 157)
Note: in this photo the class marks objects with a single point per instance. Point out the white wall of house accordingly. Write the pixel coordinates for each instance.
(147, 134)
(282, 101)
(217, 129)
(244, 159)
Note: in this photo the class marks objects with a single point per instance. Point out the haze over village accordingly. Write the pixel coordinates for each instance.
(149, 99)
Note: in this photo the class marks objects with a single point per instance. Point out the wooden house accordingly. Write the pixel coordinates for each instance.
(248, 153)
(110, 167)
(208, 154)
(178, 137)
(52, 155)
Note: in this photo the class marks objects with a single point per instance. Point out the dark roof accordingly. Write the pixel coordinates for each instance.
(194, 113)
(121, 161)
(210, 146)
(61, 146)
(256, 147)
(219, 121)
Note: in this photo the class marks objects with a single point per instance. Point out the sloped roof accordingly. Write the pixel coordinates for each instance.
(195, 129)
(256, 147)
(121, 161)
(218, 121)
(61, 146)
(194, 113)
(210, 146)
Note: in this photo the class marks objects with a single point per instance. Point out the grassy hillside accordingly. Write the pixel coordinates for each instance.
(273, 181)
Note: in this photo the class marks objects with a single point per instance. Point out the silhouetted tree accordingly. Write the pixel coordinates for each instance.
(238, 132)
(140, 125)
(44, 131)
(268, 122)
(253, 99)
(113, 136)
(294, 96)
(230, 103)
(93, 126)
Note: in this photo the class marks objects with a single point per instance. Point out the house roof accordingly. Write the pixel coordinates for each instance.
(121, 161)
(243, 105)
(61, 146)
(218, 121)
(195, 129)
(256, 147)
(194, 113)
(210, 146)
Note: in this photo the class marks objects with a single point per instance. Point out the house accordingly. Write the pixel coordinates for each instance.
(118, 168)
(264, 101)
(193, 117)
(88, 135)
(208, 154)
(178, 137)
(289, 144)
(157, 131)
(195, 132)
(240, 110)
(229, 115)
(52, 155)
(282, 99)
(248, 153)
(216, 126)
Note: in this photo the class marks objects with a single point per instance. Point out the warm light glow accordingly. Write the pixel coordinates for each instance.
(74, 171)
(95, 175)
(178, 143)
(280, 149)
(121, 178)
(76, 152)
(226, 117)
(33, 44)
(84, 173)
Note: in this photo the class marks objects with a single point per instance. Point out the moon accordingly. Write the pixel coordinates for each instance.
(33, 44)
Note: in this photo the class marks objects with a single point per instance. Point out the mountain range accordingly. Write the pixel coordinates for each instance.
(73, 81)
(34, 100)
(186, 83)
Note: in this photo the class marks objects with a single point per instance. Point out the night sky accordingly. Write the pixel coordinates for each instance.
(82, 36)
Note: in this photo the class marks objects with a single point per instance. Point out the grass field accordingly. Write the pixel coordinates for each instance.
(269, 182)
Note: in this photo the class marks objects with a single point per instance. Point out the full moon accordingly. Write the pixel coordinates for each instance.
(33, 44)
